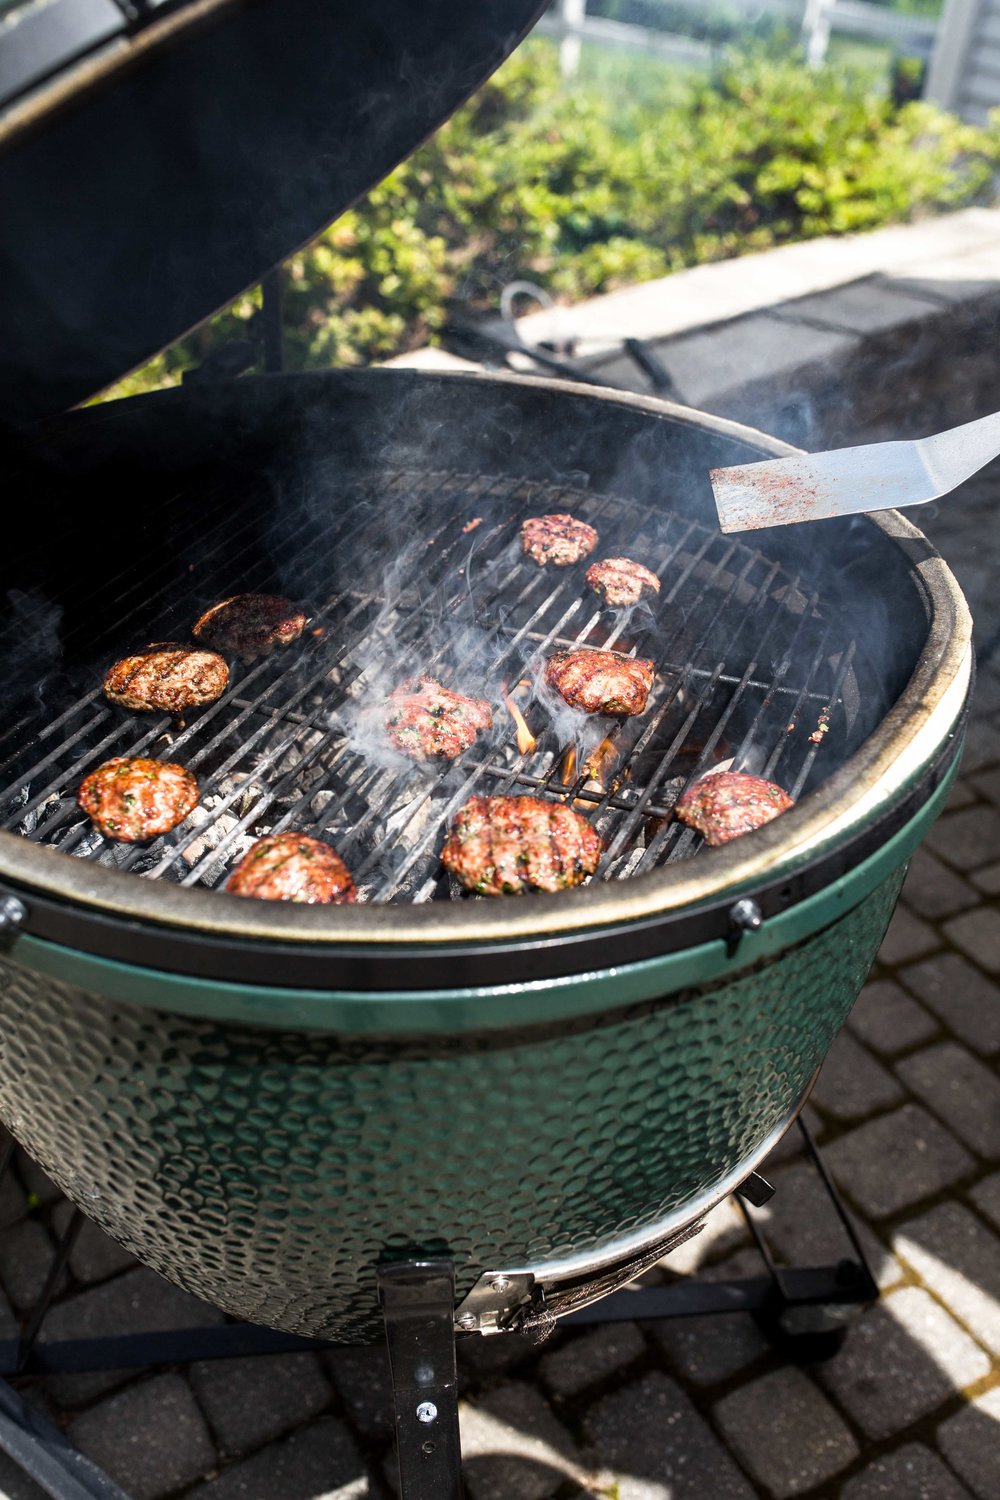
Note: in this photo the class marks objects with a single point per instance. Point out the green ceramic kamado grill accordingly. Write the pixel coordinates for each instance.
(265, 1101)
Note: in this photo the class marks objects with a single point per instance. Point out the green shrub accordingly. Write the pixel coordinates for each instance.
(582, 194)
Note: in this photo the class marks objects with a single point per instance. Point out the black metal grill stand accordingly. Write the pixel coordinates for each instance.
(803, 1310)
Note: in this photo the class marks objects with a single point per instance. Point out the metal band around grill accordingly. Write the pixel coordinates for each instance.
(532, 1297)
(381, 970)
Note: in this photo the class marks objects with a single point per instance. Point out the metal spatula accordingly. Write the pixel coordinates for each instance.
(845, 481)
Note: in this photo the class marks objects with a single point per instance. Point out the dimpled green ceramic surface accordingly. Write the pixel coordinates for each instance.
(268, 1170)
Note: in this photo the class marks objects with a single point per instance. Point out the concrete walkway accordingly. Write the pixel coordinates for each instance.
(907, 1106)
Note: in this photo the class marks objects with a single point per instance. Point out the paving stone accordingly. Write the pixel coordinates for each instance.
(513, 1448)
(982, 748)
(907, 938)
(361, 1377)
(868, 307)
(967, 838)
(13, 1205)
(742, 1266)
(138, 1302)
(959, 1260)
(758, 349)
(911, 1473)
(38, 1186)
(896, 1161)
(10, 1325)
(851, 1083)
(977, 933)
(484, 1358)
(961, 996)
(724, 1229)
(987, 879)
(25, 1257)
(960, 796)
(988, 783)
(585, 1360)
(249, 1401)
(320, 1462)
(802, 1227)
(708, 1350)
(95, 1256)
(887, 1019)
(959, 1088)
(785, 1432)
(969, 1441)
(986, 1196)
(650, 1444)
(957, 278)
(934, 891)
(150, 1438)
(902, 1359)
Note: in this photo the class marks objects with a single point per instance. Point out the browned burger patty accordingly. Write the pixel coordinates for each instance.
(506, 845)
(601, 682)
(251, 624)
(425, 719)
(167, 679)
(292, 867)
(132, 799)
(729, 803)
(558, 539)
(621, 581)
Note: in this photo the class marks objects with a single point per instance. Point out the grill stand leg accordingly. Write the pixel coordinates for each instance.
(418, 1308)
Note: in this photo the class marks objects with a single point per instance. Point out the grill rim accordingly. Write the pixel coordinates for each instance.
(568, 957)
(830, 813)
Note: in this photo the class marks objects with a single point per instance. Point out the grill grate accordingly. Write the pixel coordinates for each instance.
(746, 663)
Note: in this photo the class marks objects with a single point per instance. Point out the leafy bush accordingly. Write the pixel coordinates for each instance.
(532, 178)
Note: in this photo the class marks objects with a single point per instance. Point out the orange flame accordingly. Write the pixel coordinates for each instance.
(601, 762)
(525, 739)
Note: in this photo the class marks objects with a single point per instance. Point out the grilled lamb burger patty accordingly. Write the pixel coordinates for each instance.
(293, 867)
(601, 682)
(620, 581)
(425, 719)
(725, 804)
(500, 846)
(558, 539)
(251, 624)
(131, 798)
(167, 678)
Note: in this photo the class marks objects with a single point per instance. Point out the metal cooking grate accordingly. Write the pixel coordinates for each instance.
(748, 668)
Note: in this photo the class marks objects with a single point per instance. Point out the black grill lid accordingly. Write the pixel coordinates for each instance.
(153, 167)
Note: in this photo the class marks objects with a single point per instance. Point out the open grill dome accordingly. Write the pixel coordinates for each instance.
(804, 657)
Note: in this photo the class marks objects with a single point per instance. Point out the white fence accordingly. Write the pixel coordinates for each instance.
(815, 20)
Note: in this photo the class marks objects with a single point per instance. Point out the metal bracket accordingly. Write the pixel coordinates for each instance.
(756, 1190)
(418, 1307)
(494, 1300)
(745, 915)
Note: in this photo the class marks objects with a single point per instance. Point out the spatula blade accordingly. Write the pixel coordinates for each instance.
(816, 486)
(851, 481)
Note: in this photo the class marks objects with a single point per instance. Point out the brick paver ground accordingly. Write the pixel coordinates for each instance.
(907, 1111)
